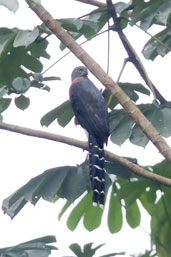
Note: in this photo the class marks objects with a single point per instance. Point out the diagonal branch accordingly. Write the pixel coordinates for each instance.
(92, 2)
(102, 76)
(133, 56)
(81, 144)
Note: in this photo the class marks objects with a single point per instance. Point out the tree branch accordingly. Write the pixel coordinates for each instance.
(102, 76)
(92, 2)
(84, 145)
(133, 56)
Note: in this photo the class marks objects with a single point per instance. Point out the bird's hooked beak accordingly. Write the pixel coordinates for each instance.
(84, 73)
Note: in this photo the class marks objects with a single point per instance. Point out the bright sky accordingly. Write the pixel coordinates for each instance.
(24, 157)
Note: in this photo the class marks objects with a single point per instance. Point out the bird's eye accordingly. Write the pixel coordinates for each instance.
(79, 70)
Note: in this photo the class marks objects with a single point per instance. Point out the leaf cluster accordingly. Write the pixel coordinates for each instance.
(125, 193)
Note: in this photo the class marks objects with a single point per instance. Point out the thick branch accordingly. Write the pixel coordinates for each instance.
(102, 76)
(81, 144)
(92, 2)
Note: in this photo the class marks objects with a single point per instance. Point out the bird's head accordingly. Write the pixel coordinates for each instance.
(79, 71)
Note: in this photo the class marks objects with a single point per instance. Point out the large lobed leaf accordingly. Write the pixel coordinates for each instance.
(131, 89)
(115, 217)
(87, 26)
(20, 52)
(70, 182)
(12, 5)
(150, 12)
(35, 248)
(63, 113)
(67, 182)
(122, 126)
(88, 250)
(161, 213)
(161, 46)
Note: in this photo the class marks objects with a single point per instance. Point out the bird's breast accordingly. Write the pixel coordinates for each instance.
(75, 82)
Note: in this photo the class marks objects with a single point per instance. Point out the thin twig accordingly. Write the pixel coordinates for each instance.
(122, 69)
(108, 47)
(81, 144)
(63, 56)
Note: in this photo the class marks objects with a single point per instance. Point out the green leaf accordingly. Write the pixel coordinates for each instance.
(166, 128)
(75, 183)
(164, 240)
(78, 211)
(76, 249)
(68, 181)
(146, 200)
(120, 6)
(87, 26)
(130, 89)
(22, 102)
(32, 63)
(38, 247)
(163, 168)
(38, 48)
(120, 127)
(160, 227)
(88, 251)
(51, 78)
(114, 254)
(155, 116)
(131, 191)
(25, 38)
(118, 169)
(92, 216)
(12, 5)
(14, 60)
(169, 20)
(64, 209)
(3, 91)
(63, 113)
(115, 219)
(133, 216)
(21, 85)
(161, 46)
(6, 37)
(4, 104)
(134, 87)
(71, 24)
(148, 13)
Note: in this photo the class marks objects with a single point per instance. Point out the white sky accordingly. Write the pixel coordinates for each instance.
(24, 157)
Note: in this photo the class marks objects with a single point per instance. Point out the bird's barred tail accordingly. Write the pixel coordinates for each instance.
(97, 171)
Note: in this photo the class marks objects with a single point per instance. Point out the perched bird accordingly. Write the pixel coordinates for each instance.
(91, 113)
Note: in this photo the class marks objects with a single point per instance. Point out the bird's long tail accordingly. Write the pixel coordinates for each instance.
(97, 171)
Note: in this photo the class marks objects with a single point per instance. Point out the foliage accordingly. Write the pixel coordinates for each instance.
(88, 251)
(57, 183)
(21, 53)
(35, 248)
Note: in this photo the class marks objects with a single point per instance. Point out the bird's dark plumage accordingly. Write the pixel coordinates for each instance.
(90, 110)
